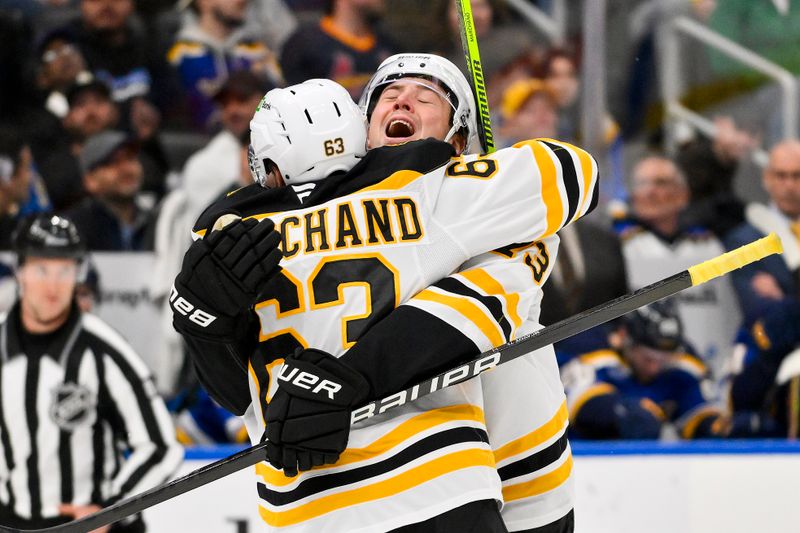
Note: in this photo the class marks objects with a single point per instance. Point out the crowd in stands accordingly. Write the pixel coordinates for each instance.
(129, 117)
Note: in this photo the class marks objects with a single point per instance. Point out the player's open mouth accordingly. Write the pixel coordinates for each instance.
(399, 129)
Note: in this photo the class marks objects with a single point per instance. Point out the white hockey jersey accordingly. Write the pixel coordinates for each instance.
(709, 313)
(349, 261)
(532, 453)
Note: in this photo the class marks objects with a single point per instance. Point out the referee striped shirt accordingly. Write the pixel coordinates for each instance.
(71, 403)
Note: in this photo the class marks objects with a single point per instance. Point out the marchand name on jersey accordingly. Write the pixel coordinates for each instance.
(351, 224)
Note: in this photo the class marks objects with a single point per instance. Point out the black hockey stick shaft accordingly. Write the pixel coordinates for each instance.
(502, 354)
(568, 327)
(469, 43)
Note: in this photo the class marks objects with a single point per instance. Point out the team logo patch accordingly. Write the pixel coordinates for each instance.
(73, 405)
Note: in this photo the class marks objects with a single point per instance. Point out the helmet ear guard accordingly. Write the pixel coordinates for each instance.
(308, 131)
(259, 170)
(429, 66)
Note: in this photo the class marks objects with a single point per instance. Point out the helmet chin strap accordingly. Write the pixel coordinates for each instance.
(449, 137)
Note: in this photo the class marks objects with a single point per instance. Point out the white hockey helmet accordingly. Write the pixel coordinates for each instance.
(428, 66)
(308, 131)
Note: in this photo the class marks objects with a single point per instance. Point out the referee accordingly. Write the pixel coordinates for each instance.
(81, 425)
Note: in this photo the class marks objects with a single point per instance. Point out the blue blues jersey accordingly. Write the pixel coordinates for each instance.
(325, 50)
(200, 420)
(203, 65)
(676, 395)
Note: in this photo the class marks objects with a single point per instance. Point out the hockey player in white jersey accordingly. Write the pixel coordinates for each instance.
(432, 457)
(532, 452)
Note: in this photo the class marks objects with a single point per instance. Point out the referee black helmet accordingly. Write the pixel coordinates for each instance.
(48, 235)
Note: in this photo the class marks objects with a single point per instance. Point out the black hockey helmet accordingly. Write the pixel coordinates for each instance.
(656, 325)
(47, 235)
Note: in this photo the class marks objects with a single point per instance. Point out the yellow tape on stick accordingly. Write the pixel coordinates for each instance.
(742, 256)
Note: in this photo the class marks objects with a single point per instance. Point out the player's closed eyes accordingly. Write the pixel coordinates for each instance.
(423, 96)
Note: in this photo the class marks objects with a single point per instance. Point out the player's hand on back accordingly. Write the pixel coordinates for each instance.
(308, 418)
(222, 276)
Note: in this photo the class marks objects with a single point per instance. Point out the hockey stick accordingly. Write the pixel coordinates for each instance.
(469, 43)
(601, 314)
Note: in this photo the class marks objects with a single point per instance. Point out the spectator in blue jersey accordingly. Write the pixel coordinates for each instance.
(773, 281)
(643, 380)
(210, 47)
(345, 46)
(275, 18)
(22, 192)
(764, 391)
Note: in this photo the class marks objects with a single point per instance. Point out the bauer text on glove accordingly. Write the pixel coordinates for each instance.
(308, 419)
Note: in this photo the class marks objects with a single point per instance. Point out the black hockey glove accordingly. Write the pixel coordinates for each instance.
(308, 419)
(221, 278)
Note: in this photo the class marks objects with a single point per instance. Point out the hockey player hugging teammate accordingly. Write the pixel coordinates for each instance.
(364, 302)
